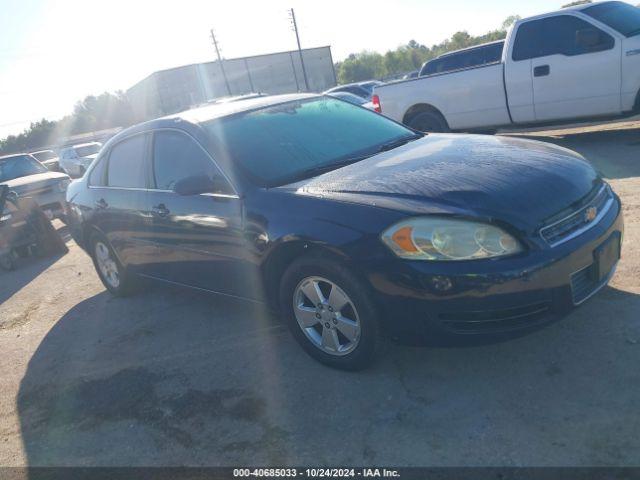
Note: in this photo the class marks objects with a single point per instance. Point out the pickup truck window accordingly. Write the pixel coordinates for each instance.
(559, 35)
(473, 57)
(618, 15)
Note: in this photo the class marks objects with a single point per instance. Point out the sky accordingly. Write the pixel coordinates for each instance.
(54, 53)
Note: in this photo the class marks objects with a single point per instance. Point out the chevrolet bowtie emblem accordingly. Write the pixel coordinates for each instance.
(590, 214)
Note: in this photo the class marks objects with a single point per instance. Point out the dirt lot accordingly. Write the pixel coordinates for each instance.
(176, 377)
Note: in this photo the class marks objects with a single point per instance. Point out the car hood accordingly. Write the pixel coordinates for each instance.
(518, 181)
(34, 183)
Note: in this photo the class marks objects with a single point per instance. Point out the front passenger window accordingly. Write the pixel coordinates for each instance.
(126, 163)
(177, 156)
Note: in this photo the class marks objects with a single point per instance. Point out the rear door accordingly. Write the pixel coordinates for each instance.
(119, 186)
(574, 67)
(198, 238)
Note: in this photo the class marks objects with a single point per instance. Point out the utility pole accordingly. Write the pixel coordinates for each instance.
(295, 29)
(224, 74)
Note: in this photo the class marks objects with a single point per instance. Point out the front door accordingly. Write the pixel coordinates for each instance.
(575, 67)
(199, 238)
(119, 186)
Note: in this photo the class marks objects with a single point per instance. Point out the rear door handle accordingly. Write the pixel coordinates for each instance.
(101, 204)
(161, 210)
(541, 71)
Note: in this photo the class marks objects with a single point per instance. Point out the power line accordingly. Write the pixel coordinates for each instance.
(224, 74)
(292, 16)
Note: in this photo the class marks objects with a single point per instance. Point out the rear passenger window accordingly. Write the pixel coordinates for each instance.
(97, 176)
(559, 35)
(177, 156)
(127, 165)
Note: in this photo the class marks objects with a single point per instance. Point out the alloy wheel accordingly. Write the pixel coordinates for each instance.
(107, 265)
(326, 315)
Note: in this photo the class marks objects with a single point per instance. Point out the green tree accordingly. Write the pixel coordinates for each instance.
(367, 65)
(107, 110)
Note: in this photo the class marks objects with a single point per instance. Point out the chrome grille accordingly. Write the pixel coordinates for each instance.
(578, 221)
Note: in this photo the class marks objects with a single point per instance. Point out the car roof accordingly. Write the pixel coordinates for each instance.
(7, 157)
(572, 8)
(213, 111)
(220, 110)
(77, 145)
(462, 50)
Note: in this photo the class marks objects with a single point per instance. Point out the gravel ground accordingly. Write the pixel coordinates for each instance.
(173, 377)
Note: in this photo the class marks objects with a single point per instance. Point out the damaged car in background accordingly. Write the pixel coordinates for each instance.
(353, 225)
(27, 177)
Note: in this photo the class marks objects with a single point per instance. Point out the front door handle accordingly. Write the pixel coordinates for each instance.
(541, 71)
(161, 210)
(101, 204)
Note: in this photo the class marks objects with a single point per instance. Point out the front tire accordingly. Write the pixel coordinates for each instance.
(113, 275)
(330, 313)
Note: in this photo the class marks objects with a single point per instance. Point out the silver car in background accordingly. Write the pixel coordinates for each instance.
(48, 158)
(75, 159)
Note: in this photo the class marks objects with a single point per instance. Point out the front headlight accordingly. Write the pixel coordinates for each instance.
(63, 184)
(438, 238)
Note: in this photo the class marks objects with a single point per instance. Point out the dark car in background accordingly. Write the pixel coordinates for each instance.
(351, 98)
(27, 177)
(361, 89)
(353, 225)
(485, 54)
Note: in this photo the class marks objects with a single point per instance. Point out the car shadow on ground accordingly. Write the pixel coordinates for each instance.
(613, 152)
(173, 377)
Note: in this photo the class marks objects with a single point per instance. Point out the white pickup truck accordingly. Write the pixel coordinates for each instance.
(578, 63)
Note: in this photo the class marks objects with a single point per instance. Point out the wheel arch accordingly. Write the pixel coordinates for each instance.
(420, 108)
(285, 253)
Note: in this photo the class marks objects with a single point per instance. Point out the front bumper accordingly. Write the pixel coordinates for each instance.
(492, 296)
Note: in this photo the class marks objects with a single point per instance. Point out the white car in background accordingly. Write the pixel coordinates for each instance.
(75, 159)
(48, 158)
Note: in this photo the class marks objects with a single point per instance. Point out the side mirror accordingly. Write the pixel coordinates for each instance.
(588, 38)
(195, 185)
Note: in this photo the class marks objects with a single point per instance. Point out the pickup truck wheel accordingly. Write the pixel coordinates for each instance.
(428, 122)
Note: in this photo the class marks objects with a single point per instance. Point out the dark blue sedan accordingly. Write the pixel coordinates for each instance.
(354, 226)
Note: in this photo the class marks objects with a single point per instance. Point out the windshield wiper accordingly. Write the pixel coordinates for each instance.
(399, 142)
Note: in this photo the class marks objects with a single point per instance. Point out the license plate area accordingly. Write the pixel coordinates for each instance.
(605, 257)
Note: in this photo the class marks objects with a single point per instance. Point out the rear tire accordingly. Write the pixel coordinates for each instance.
(428, 121)
(337, 323)
(113, 275)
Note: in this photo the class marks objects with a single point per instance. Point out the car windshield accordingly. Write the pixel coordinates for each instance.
(296, 140)
(19, 166)
(44, 155)
(618, 15)
(86, 150)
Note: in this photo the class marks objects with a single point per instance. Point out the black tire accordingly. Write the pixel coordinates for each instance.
(128, 284)
(428, 121)
(370, 339)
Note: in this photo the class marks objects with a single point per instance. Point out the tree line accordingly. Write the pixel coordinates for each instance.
(367, 65)
(110, 110)
(94, 113)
